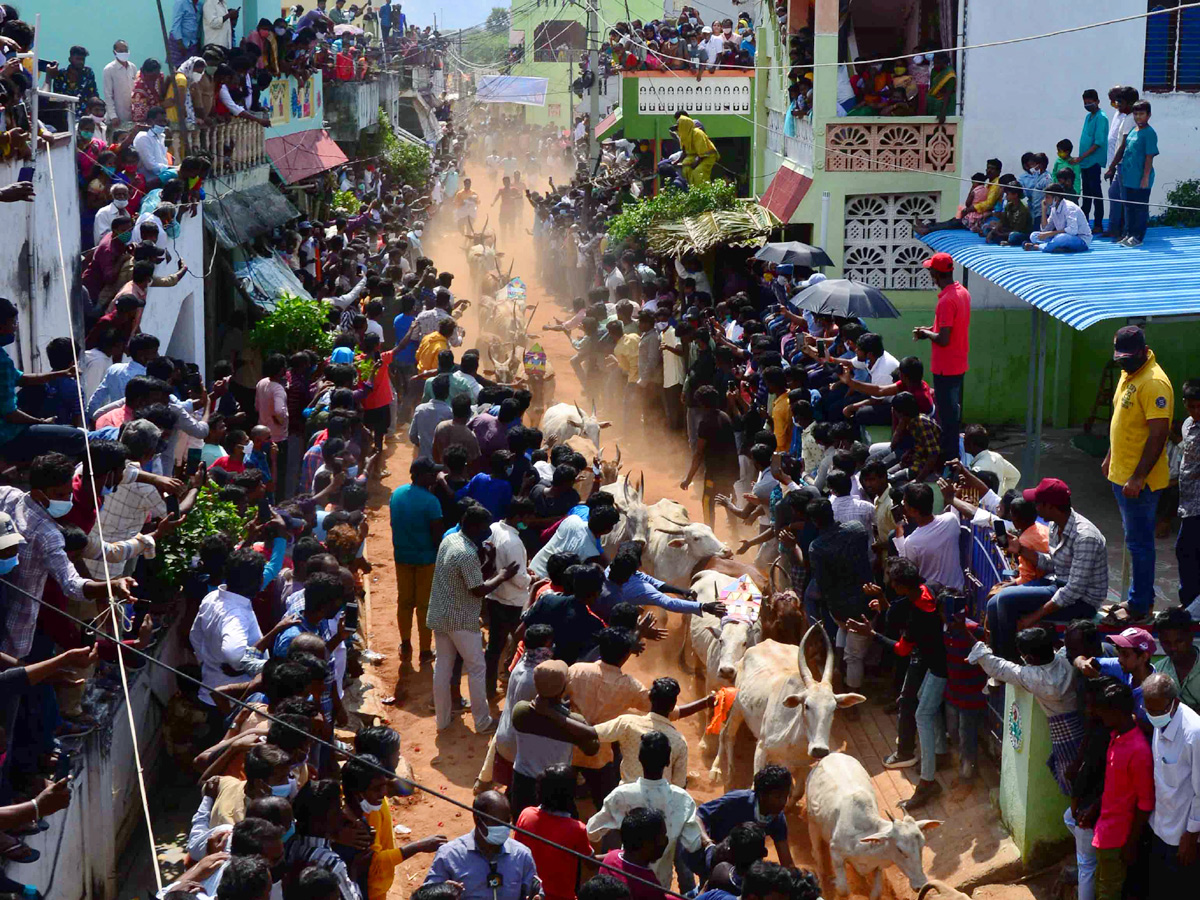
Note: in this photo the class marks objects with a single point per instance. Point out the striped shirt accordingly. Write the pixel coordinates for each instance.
(315, 851)
(457, 571)
(1077, 561)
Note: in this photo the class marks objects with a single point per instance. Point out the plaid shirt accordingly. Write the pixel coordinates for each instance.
(315, 851)
(123, 514)
(1077, 562)
(927, 441)
(42, 554)
(1189, 470)
(600, 691)
(452, 606)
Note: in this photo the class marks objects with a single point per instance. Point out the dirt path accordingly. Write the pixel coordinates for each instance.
(449, 762)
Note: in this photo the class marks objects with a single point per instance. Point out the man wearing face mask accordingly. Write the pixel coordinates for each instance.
(43, 554)
(102, 225)
(488, 862)
(151, 144)
(117, 78)
(1136, 462)
(268, 774)
(1175, 822)
(1093, 154)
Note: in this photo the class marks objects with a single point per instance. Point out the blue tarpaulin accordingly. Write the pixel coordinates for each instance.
(523, 89)
(1158, 279)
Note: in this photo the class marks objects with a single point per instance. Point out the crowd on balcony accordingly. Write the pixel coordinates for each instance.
(682, 44)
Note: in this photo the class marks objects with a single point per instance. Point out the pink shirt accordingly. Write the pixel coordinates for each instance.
(954, 310)
(1128, 785)
(270, 399)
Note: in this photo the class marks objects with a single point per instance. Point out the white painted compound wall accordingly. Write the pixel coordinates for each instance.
(1026, 96)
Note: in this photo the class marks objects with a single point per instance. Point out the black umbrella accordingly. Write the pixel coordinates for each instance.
(848, 299)
(794, 253)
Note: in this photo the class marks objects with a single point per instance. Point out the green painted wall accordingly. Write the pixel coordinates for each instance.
(1031, 803)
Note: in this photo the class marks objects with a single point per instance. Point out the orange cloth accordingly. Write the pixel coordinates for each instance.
(725, 698)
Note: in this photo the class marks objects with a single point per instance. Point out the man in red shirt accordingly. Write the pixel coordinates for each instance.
(643, 842)
(950, 344)
(1128, 797)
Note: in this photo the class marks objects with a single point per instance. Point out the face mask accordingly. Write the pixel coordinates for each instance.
(918, 59)
(109, 171)
(86, 137)
(125, 236)
(1062, 154)
(369, 807)
(1162, 721)
(122, 57)
(287, 835)
(120, 204)
(1131, 364)
(59, 508)
(172, 230)
(158, 130)
(498, 834)
(661, 326)
(352, 472)
(759, 817)
(195, 77)
(282, 790)
(7, 565)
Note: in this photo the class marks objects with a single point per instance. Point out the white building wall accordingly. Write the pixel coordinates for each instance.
(1026, 96)
(175, 315)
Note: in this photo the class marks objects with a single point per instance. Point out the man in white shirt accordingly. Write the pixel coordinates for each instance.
(225, 635)
(613, 278)
(1067, 229)
(714, 44)
(95, 362)
(976, 455)
(151, 144)
(653, 790)
(1175, 822)
(218, 23)
(119, 193)
(1123, 98)
(117, 80)
(928, 540)
(508, 599)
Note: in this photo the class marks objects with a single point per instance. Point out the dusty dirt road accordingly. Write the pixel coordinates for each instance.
(449, 762)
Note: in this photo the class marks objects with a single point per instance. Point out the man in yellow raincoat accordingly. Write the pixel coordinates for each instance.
(699, 153)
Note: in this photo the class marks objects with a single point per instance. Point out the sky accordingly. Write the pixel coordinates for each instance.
(452, 14)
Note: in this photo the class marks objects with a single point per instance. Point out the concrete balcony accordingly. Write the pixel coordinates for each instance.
(236, 147)
(797, 148)
(891, 144)
(352, 107)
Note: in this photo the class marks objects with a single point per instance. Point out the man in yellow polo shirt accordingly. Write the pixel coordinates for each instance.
(1136, 463)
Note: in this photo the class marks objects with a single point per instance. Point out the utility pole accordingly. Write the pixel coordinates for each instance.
(593, 31)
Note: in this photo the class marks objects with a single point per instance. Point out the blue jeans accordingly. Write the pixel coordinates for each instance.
(931, 731)
(1116, 209)
(965, 722)
(1009, 604)
(948, 394)
(1064, 243)
(38, 439)
(1187, 551)
(1085, 856)
(1137, 519)
(1137, 214)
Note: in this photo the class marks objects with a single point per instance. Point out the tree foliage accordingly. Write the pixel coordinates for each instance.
(294, 324)
(177, 551)
(1184, 193)
(670, 205)
(405, 162)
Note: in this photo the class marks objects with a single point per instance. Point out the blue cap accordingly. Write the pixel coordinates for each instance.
(783, 269)
(342, 355)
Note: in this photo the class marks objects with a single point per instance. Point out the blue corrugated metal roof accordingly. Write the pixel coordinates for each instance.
(1159, 278)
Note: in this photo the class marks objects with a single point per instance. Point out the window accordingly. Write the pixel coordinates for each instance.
(880, 249)
(553, 40)
(1172, 60)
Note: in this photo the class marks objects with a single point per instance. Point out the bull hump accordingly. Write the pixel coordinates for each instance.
(772, 659)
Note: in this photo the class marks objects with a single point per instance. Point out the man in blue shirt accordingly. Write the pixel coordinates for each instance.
(404, 359)
(417, 526)
(763, 804)
(1135, 158)
(1093, 154)
(488, 862)
(141, 349)
(626, 584)
(493, 490)
(323, 596)
(184, 39)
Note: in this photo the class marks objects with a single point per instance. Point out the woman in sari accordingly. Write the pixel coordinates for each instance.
(943, 87)
(147, 89)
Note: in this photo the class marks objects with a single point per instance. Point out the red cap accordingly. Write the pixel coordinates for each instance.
(940, 262)
(1049, 490)
(1134, 638)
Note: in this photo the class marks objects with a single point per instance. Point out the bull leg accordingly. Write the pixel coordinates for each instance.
(838, 862)
(722, 767)
(877, 884)
(820, 852)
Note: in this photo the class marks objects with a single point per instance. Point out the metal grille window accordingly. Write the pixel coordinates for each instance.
(880, 249)
(553, 41)
(1172, 58)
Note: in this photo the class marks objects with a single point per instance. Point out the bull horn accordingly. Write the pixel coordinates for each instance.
(771, 577)
(827, 675)
(508, 277)
(600, 454)
(642, 485)
(626, 479)
(593, 407)
(671, 530)
(492, 355)
(891, 818)
(580, 411)
(805, 674)
(618, 461)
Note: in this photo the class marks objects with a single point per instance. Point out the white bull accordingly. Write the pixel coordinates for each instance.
(609, 469)
(718, 646)
(633, 524)
(844, 826)
(564, 420)
(789, 712)
(677, 546)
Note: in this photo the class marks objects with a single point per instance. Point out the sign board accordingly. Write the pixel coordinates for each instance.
(707, 97)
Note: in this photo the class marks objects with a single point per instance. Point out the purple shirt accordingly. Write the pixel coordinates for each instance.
(490, 432)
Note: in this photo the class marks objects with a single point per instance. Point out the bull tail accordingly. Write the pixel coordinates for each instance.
(686, 645)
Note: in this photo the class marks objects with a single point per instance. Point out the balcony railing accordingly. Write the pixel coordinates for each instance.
(798, 148)
(889, 146)
(235, 146)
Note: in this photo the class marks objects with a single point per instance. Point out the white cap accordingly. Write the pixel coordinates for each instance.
(815, 278)
(9, 536)
(706, 30)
